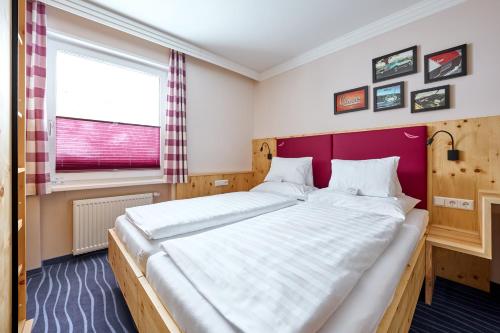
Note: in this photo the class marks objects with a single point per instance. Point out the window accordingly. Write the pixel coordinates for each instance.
(105, 114)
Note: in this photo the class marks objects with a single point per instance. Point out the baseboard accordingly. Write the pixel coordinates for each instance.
(59, 260)
(56, 260)
(33, 272)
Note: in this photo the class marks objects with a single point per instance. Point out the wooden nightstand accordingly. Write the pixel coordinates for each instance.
(476, 243)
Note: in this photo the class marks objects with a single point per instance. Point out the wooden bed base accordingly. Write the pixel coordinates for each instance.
(150, 315)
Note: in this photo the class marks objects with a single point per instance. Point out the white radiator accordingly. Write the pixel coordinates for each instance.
(93, 217)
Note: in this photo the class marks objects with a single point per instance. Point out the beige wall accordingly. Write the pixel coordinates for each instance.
(219, 122)
(50, 219)
(5, 170)
(219, 102)
(301, 100)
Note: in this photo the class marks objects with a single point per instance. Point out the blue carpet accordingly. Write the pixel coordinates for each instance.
(78, 295)
(457, 309)
(81, 295)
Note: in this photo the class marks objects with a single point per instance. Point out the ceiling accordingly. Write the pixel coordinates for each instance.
(257, 34)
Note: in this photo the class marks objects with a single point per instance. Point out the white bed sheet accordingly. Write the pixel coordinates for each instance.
(139, 247)
(361, 311)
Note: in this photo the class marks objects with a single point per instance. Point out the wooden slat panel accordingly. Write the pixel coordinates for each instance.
(260, 163)
(201, 185)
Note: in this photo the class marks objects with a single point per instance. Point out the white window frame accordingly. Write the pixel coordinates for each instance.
(62, 181)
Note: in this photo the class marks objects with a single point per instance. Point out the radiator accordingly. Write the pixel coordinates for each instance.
(93, 217)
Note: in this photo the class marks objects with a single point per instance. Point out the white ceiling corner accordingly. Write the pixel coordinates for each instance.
(265, 38)
(410, 14)
(103, 16)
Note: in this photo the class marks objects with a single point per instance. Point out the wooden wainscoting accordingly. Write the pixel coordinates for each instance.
(203, 184)
(478, 140)
(260, 163)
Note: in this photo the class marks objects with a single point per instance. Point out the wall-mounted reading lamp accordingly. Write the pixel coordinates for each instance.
(452, 153)
(269, 155)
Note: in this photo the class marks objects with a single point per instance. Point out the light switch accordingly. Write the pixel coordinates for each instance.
(221, 182)
(438, 201)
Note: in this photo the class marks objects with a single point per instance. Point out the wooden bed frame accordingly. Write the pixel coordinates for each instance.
(150, 315)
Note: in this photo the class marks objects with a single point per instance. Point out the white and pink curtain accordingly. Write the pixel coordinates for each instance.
(37, 154)
(175, 161)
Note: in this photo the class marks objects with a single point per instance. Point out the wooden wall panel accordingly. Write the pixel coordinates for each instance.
(462, 268)
(201, 185)
(260, 163)
(478, 140)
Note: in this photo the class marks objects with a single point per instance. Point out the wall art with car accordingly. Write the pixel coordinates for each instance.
(441, 65)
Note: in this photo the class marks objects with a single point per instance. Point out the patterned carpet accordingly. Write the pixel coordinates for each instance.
(81, 295)
(457, 309)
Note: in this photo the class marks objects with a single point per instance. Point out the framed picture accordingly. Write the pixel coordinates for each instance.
(430, 99)
(446, 64)
(388, 97)
(395, 64)
(351, 100)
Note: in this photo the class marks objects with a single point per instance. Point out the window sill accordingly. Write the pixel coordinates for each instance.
(92, 185)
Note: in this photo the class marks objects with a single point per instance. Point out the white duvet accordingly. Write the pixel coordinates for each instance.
(171, 218)
(285, 271)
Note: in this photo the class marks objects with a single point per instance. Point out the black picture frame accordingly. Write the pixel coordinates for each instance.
(444, 105)
(433, 75)
(400, 99)
(364, 89)
(396, 70)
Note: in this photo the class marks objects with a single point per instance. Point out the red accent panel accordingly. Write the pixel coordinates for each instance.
(319, 147)
(97, 145)
(409, 143)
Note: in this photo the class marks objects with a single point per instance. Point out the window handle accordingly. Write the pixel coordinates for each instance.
(51, 125)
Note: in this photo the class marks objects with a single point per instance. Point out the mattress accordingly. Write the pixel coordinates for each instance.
(139, 247)
(361, 311)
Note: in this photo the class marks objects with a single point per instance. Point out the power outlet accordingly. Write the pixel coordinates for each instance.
(221, 182)
(451, 203)
(466, 204)
(454, 203)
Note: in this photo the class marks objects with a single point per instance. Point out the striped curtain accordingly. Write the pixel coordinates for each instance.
(175, 161)
(37, 154)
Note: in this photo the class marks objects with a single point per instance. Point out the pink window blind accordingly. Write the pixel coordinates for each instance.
(98, 145)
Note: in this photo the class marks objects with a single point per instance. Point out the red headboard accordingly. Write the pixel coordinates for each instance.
(317, 146)
(409, 143)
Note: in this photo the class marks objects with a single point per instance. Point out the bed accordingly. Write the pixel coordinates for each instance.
(155, 302)
(225, 209)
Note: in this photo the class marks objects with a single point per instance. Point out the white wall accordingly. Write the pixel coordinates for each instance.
(219, 102)
(301, 101)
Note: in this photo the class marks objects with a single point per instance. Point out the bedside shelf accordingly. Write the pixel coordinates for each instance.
(459, 240)
(476, 243)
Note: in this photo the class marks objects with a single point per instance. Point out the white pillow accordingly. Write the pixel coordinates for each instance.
(292, 170)
(292, 190)
(375, 177)
(407, 202)
(397, 207)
